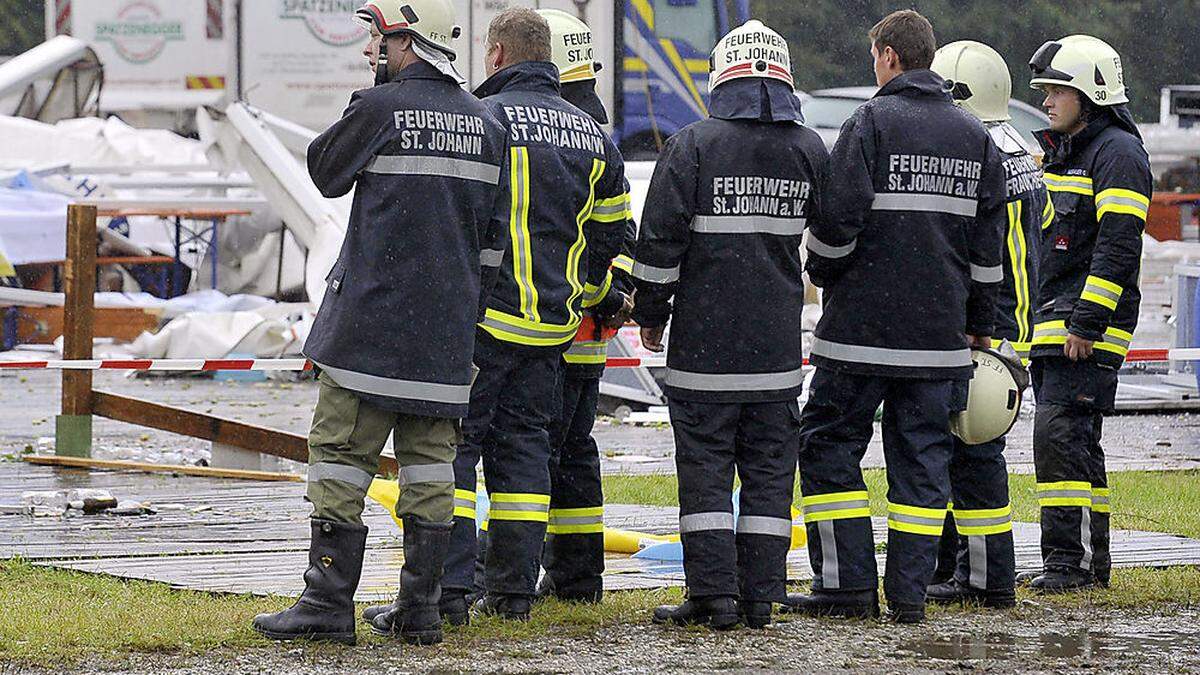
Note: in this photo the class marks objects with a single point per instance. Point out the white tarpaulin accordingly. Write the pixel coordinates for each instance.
(271, 331)
(33, 226)
(93, 142)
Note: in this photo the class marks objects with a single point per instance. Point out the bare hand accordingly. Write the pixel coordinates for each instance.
(652, 338)
(1077, 348)
(622, 316)
(979, 341)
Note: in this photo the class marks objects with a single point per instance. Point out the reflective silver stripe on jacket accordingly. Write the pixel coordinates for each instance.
(919, 201)
(524, 331)
(734, 381)
(775, 527)
(748, 225)
(426, 473)
(882, 356)
(987, 275)
(343, 473)
(655, 275)
(450, 167)
(826, 251)
(491, 257)
(709, 520)
(385, 386)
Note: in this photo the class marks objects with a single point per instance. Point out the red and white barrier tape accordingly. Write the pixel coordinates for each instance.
(1134, 356)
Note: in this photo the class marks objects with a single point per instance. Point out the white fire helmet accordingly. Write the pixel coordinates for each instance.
(570, 46)
(978, 77)
(429, 21)
(994, 399)
(1084, 63)
(750, 50)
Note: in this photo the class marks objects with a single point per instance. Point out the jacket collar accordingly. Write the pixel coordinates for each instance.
(582, 95)
(1060, 147)
(755, 98)
(922, 82)
(422, 70)
(531, 76)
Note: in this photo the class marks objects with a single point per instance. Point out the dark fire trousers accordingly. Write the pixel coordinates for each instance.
(574, 552)
(513, 400)
(760, 441)
(1072, 484)
(836, 428)
(977, 545)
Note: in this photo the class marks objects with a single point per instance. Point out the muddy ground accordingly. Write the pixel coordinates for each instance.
(1032, 638)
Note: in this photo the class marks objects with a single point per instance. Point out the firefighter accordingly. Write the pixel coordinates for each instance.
(568, 210)
(908, 254)
(392, 340)
(1098, 174)
(979, 564)
(721, 235)
(574, 552)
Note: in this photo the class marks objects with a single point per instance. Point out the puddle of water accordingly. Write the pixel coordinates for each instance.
(1067, 645)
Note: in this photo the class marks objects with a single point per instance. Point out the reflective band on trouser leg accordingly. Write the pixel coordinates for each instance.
(916, 519)
(426, 473)
(520, 506)
(1065, 493)
(1100, 500)
(774, 527)
(821, 512)
(709, 520)
(977, 525)
(342, 473)
(584, 520)
(464, 504)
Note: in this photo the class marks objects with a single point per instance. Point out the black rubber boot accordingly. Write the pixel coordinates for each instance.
(373, 611)
(415, 617)
(720, 613)
(511, 607)
(325, 611)
(842, 604)
(1027, 576)
(900, 612)
(755, 614)
(955, 592)
(453, 608)
(1063, 580)
(548, 589)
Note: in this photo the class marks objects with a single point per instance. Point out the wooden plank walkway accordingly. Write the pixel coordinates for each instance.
(252, 536)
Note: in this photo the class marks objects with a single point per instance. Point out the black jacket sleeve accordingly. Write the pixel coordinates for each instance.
(344, 150)
(666, 230)
(849, 192)
(984, 242)
(1122, 184)
(493, 237)
(605, 228)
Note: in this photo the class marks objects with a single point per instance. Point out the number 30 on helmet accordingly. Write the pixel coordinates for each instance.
(994, 399)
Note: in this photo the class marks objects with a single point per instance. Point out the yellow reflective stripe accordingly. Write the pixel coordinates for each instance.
(584, 520)
(1101, 291)
(1118, 333)
(464, 512)
(813, 500)
(1105, 284)
(1065, 485)
(588, 528)
(522, 506)
(1076, 184)
(623, 263)
(918, 511)
(838, 514)
(976, 522)
(1098, 299)
(982, 513)
(464, 494)
(577, 513)
(612, 210)
(575, 254)
(1050, 333)
(587, 353)
(1017, 250)
(520, 498)
(593, 294)
(1101, 492)
(522, 331)
(1065, 501)
(529, 516)
(929, 530)
(836, 506)
(1048, 212)
(1120, 200)
(1065, 493)
(518, 229)
(916, 519)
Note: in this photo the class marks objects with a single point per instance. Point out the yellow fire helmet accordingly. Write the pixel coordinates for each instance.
(750, 50)
(431, 22)
(978, 78)
(1081, 62)
(570, 46)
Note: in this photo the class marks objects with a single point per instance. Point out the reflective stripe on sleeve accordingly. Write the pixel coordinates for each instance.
(910, 358)
(522, 331)
(916, 519)
(919, 201)
(748, 225)
(987, 275)
(343, 473)
(734, 381)
(827, 251)
(584, 520)
(396, 388)
(426, 473)
(655, 275)
(1120, 200)
(1077, 184)
(707, 520)
(612, 210)
(593, 294)
(974, 522)
(1102, 292)
(836, 506)
(1065, 493)
(448, 167)
(464, 504)
(521, 506)
(775, 527)
(587, 353)
(623, 263)
(1115, 341)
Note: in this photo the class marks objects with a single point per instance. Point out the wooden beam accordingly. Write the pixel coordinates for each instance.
(79, 284)
(209, 427)
(120, 465)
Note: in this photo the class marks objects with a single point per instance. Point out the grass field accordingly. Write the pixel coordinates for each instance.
(56, 616)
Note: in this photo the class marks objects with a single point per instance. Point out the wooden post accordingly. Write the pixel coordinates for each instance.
(73, 428)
